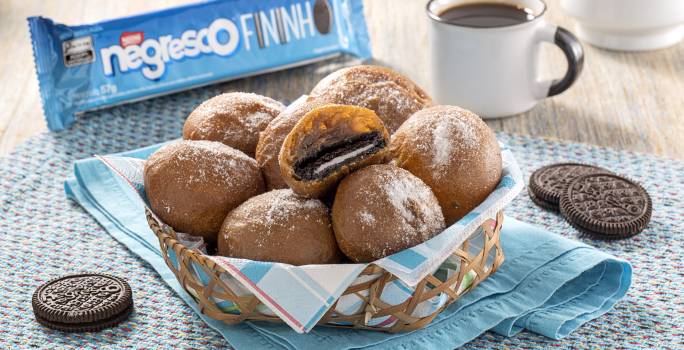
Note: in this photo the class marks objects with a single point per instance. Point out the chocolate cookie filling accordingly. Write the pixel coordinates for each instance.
(320, 163)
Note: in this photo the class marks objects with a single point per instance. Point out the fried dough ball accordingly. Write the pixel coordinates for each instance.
(193, 185)
(454, 152)
(392, 96)
(381, 210)
(234, 119)
(280, 226)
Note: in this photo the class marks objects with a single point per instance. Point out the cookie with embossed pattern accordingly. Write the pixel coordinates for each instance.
(606, 205)
(542, 203)
(87, 326)
(595, 234)
(547, 182)
(83, 302)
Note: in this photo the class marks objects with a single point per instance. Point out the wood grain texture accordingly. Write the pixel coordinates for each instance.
(627, 101)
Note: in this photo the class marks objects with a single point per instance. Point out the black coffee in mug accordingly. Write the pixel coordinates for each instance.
(487, 14)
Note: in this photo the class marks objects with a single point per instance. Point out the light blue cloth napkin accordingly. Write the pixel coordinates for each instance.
(548, 284)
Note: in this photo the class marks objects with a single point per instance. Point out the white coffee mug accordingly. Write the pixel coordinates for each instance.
(628, 25)
(495, 72)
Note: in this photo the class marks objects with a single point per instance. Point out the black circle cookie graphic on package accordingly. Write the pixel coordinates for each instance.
(323, 16)
(83, 302)
(606, 205)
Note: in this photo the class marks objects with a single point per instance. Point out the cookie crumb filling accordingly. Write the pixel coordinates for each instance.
(324, 161)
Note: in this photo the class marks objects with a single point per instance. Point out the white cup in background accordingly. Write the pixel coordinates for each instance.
(628, 25)
(495, 72)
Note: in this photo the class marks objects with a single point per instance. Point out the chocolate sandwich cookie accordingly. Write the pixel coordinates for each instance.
(606, 205)
(87, 326)
(547, 182)
(542, 203)
(83, 302)
(594, 233)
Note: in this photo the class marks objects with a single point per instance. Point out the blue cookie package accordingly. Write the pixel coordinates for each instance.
(87, 67)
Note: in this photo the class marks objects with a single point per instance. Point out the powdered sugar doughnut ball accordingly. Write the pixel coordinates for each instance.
(234, 119)
(280, 226)
(454, 152)
(392, 96)
(272, 138)
(193, 185)
(381, 210)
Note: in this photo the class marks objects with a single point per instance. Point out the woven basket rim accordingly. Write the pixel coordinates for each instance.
(372, 306)
(205, 257)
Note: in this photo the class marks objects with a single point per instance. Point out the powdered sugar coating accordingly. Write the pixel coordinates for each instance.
(366, 218)
(392, 96)
(192, 185)
(381, 210)
(235, 119)
(454, 152)
(280, 226)
(456, 135)
(213, 162)
(278, 210)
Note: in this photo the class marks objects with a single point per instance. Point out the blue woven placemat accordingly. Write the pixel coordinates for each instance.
(44, 235)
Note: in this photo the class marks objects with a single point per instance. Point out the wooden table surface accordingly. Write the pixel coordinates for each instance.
(627, 101)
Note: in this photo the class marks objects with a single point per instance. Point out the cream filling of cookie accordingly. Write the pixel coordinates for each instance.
(342, 158)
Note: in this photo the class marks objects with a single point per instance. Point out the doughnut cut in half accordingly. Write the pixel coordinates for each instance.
(329, 143)
(272, 138)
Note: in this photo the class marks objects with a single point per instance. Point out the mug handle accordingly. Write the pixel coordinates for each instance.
(572, 48)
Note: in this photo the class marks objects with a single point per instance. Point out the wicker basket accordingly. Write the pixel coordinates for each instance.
(372, 307)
